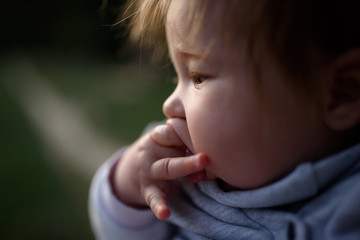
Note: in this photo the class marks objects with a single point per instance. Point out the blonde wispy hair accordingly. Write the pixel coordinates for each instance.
(293, 31)
(146, 23)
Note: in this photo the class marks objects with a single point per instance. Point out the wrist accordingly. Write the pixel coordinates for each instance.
(117, 181)
(105, 203)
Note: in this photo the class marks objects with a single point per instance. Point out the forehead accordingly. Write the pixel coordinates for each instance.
(194, 26)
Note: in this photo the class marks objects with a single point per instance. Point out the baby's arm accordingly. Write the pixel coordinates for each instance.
(142, 176)
(111, 219)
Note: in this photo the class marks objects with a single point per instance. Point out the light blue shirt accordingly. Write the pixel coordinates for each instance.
(318, 200)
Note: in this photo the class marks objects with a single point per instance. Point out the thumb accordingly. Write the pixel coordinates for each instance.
(180, 127)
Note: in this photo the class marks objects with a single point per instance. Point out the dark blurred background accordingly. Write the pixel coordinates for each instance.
(71, 93)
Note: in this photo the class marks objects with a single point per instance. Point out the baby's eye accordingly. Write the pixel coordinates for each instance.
(197, 79)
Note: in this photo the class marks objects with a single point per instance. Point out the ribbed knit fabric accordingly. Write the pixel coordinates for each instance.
(318, 200)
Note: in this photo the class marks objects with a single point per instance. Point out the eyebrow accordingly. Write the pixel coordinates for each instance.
(188, 54)
(204, 56)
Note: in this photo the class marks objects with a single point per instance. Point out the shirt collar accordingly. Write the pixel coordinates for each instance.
(303, 182)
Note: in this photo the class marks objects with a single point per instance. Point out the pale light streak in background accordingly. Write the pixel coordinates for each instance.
(66, 134)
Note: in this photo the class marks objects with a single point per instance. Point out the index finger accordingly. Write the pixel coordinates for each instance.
(173, 168)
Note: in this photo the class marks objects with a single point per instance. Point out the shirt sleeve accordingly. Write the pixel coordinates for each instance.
(111, 219)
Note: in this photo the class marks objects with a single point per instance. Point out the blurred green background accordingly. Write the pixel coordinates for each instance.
(71, 93)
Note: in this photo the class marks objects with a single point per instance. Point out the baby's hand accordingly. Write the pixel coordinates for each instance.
(142, 176)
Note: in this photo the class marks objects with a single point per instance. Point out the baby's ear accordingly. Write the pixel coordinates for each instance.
(343, 105)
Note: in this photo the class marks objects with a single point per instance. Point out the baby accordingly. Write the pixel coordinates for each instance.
(262, 136)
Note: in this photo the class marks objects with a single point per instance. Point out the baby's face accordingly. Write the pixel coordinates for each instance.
(253, 132)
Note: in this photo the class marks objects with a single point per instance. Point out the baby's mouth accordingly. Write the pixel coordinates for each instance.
(181, 129)
(188, 153)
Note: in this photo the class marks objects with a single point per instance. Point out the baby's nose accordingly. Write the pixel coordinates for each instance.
(173, 106)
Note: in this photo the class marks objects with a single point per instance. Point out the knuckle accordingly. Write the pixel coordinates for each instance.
(147, 141)
(162, 132)
(166, 166)
(158, 130)
(145, 150)
(150, 199)
(167, 130)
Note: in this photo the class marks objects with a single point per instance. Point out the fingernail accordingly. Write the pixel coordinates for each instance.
(201, 160)
(162, 212)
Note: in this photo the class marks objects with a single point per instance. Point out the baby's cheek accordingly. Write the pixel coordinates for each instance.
(207, 137)
(202, 136)
(207, 146)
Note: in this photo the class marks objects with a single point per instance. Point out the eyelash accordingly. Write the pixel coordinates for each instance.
(197, 79)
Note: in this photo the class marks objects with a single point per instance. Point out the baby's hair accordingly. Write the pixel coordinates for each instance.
(293, 31)
(147, 23)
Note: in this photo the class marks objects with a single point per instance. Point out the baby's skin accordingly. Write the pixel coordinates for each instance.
(144, 174)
